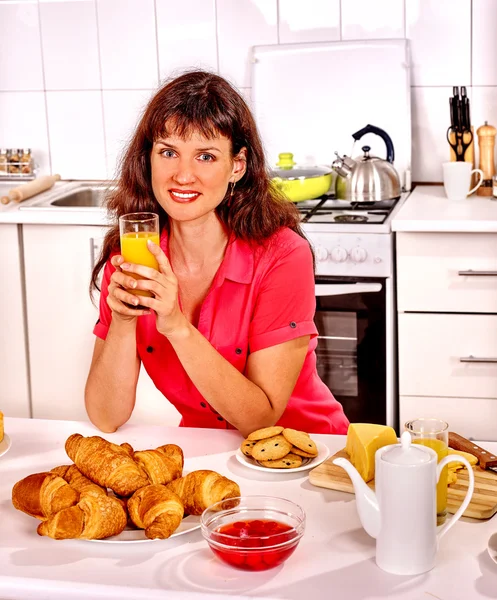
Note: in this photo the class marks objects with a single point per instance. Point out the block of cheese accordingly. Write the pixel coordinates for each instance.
(1, 425)
(363, 440)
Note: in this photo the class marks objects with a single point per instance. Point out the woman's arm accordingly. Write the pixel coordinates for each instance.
(247, 402)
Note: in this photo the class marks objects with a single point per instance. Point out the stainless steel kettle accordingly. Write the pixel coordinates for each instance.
(368, 178)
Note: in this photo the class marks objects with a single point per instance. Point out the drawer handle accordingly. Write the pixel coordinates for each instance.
(477, 359)
(472, 273)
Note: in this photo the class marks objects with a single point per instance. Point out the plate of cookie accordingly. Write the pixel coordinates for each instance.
(280, 449)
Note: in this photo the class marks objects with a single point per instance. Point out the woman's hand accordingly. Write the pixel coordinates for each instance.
(163, 285)
(119, 295)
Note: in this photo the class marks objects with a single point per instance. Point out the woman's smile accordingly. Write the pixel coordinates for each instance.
(183, 196)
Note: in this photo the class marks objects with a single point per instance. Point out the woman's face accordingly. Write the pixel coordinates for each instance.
(190, 176)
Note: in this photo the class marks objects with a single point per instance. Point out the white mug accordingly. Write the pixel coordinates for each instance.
(457, 179)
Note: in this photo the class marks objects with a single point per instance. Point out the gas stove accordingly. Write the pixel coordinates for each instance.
(350, 239)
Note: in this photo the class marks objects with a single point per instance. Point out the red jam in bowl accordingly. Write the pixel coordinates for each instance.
(255, 544)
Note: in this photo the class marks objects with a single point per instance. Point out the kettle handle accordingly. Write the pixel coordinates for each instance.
(384, 136)
(444, 528)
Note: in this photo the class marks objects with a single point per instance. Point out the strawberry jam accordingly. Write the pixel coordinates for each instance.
(254, 542)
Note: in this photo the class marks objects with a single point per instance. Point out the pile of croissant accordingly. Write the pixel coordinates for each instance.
(148, 491)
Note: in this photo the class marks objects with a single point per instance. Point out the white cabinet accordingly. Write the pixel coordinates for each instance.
(14, 387)
(61, 317)
(447, 330)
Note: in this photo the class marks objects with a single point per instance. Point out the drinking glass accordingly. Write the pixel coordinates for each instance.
(135, 230)
(434, 433)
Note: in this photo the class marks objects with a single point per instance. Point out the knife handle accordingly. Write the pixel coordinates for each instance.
(485, 459)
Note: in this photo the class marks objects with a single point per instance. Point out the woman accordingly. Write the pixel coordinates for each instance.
(228, 335)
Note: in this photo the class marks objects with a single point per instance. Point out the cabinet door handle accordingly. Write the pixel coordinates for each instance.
(471, 273)
(477, 359)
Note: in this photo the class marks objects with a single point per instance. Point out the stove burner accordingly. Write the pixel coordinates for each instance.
(351, 219)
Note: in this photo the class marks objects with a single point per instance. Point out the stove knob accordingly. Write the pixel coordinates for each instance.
(321, 253)
(339, 254)
(358, 254)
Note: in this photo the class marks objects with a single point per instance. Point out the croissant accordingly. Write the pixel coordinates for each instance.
(43, 494)
(107, 464)
(93, 518)
(157, 510)
(200, 489)
(163, 464)
(78, 481)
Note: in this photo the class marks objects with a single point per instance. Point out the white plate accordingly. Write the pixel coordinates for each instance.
(5, 444)
(307, 463)
(128, 536)
(492, 547)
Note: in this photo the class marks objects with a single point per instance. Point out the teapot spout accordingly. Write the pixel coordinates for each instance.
(343, 165)
(367, 502)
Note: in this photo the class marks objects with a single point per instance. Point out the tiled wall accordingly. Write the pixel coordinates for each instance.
(75, 74)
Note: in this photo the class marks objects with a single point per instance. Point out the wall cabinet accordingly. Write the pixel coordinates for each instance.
(60, 319)
(447, 330)
(14, 386)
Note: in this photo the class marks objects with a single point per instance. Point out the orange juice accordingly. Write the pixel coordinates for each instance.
(134, 250)
(442, 451)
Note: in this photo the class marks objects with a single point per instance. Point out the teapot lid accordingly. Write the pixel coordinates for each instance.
(406, 453)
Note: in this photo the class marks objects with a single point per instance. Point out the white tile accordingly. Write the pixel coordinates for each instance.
(241, 25)
(430, 120)
(483, 108)
(122, 111)
(70, 44)
(75, 127)
(20, 56)
(484, 42)
(440, 34)
(128, 45)
(310, 21)
(23, 124)
(364, 19)
(186, 35)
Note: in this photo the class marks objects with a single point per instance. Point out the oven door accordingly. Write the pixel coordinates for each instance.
(351, 351)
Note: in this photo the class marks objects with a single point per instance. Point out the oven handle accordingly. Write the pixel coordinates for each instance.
(342, 289)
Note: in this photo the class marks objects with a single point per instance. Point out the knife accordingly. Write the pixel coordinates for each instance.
(486, 460)
(465, 109)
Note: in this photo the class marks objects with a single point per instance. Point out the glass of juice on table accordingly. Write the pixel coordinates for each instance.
(135, 230)
(434, 433)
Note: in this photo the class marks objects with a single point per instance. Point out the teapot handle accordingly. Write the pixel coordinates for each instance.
(444, 528)
(384, 136)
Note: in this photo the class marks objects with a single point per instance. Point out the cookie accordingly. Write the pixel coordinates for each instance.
(247, 446)
(290, 461)
(263, 434)
(300, 452)
(271, 448)
(300, 440)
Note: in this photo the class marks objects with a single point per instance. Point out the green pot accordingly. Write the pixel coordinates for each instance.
(300, 183)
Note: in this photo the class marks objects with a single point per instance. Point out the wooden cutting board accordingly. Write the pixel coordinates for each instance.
(483, 504)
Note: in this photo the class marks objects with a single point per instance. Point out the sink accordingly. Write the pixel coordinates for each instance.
(83, 197)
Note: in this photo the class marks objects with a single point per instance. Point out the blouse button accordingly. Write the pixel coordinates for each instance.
(150, 349)
(293, 324)
(238, 351)
(203, 404)
(220, 419)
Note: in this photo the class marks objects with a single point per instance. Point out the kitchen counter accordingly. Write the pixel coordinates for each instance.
(335, 558)
(428, 210)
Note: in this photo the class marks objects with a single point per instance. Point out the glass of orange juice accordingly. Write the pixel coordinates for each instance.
(434, 433)
(135, 230)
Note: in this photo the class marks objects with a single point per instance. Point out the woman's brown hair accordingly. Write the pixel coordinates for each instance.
(199, 101)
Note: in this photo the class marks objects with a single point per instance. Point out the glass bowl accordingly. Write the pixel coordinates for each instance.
(253, 533)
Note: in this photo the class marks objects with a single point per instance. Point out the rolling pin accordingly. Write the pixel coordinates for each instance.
(28, 190)
(486, 140)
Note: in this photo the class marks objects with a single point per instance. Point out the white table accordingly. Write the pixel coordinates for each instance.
(335, 558)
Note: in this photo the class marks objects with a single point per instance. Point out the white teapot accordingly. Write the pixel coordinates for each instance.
(401, 515)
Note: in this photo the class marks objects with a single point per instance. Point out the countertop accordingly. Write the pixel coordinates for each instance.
(427, 209)
(335, 558)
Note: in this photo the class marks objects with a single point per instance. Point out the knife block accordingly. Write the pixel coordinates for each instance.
(469, 155)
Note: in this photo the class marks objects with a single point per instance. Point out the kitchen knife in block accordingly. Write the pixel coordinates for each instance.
(486, 460)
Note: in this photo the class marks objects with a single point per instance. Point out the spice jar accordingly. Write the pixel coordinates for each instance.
(3, 162)
(26, 161)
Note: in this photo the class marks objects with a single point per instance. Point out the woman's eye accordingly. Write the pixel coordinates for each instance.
(206, 157)
(167, 153)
